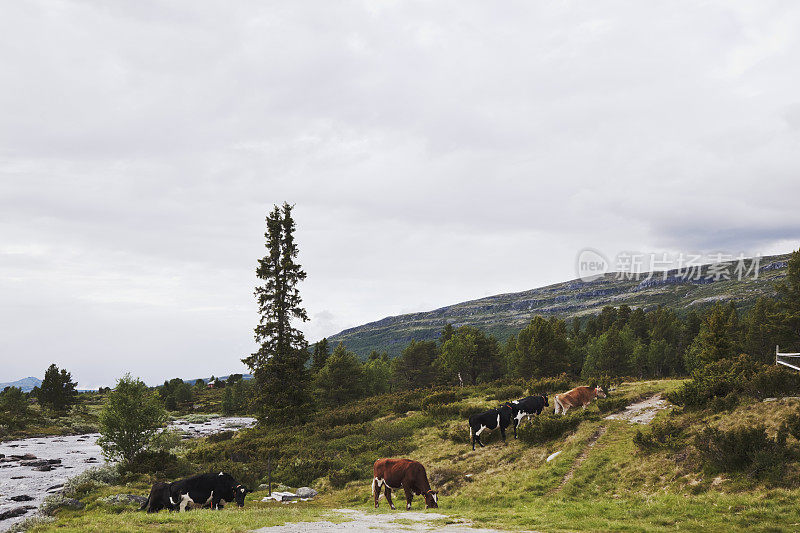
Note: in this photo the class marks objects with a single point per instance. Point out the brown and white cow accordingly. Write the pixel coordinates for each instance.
(577, 397)
(405, 473)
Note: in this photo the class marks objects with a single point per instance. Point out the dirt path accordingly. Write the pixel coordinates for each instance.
(582, 456)
(641, 412)
(361, 522)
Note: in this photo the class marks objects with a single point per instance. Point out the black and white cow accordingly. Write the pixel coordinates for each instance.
(527, 407)
(205, 489)
(491, 419)
(158, 499)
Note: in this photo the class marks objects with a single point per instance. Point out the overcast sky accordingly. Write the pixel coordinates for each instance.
(435, 151)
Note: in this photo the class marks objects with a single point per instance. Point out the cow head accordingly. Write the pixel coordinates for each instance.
(431, 499)
(600, 392)
(239, 492)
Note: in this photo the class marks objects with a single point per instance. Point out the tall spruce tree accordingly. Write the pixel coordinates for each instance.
(282, 381)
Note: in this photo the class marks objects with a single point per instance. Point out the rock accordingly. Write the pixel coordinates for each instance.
(17, 477)
(54, 461)
(553, 456)
(18, 511)
(55, 487)
(21, 498)
(36, 462)
(125, 499)
(263, 486)
(306, 492)
(28, 456)
(280, 497)
(90, 460)
(44, 468)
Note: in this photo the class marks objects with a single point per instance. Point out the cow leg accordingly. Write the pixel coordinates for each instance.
(376, 491)
(515, 427)
(503, 433)
(409, 497)
(388, 493)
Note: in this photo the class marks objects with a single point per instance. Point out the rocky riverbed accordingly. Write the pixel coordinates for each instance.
(30, 469)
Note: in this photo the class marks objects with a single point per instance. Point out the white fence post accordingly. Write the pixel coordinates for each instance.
(793, 357)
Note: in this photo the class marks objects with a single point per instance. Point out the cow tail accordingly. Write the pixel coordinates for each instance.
(145, 505)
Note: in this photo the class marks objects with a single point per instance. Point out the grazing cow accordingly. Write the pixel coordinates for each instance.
(396, 473)
(492, 419)
(577, 397)
(204, 489)
(158, 499)
(527, 407)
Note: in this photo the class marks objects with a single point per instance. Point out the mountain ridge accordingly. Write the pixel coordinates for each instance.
(505, 313)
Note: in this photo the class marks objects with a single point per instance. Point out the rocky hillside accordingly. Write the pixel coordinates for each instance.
(505, 313)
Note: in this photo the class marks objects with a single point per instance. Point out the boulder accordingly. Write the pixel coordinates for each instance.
(54, 461)
(21, 498)
(35, 462)
(44, 468)
(14, 513)
(306, 492)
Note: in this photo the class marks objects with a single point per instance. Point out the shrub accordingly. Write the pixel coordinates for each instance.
(90, 480)
(746, 449)
(608, 405)
(737, 376)
(551, 385)
(130, 418)
(662, 433)
(30, 523)
(339, 478)
(349, 414)
(507, 393)
(221, 436)
(544, 428)
(791, 425)
(458, 434)
(160, 464)
(439, 398)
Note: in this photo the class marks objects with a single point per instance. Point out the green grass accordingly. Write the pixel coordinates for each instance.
(612, 485)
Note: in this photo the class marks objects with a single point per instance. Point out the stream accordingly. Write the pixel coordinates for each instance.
(35, 467)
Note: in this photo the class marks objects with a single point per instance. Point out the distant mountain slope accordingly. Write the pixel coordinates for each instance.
(26, 384)
(504, 314)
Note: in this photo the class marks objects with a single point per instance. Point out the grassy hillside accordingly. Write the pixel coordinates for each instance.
(601, 481)
(506, 313)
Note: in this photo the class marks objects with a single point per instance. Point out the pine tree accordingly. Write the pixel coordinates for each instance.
(279, 364)
(341, 379)
(320, 356)
(57, 390)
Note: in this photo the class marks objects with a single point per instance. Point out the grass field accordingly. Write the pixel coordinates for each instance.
(601, 481)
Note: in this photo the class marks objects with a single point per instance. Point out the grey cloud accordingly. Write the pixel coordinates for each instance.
(435, 152)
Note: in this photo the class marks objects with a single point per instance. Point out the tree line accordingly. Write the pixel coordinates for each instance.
(293, 378)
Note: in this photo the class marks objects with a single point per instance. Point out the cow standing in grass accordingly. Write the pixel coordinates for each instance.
(527, 407)
(492, 419)
(405, 473)
(577, 397)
